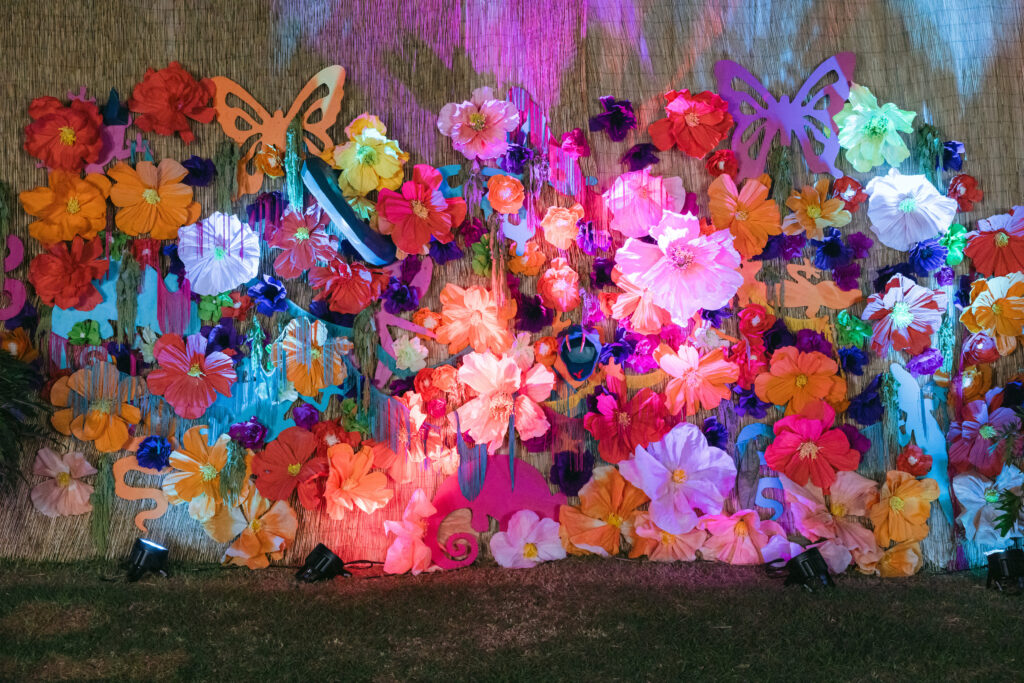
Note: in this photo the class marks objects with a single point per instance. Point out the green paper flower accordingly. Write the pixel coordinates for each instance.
(871, 134)
(954, 240)
(85, 333)
(851, 330)
(210, 305)
(481, 259)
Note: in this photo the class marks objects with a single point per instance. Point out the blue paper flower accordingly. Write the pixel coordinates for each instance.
(270, 295)
(515, 159)
(927, 256)
(443, 253)
(952, 156)
(852, 360)
(832, 252)
(716, 433)
(154, 452)
(400, 297)
(201, 172)
(866, 407)
(747, 403)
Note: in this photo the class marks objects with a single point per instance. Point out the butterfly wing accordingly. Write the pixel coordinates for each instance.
(243, 120)
(751, 106)
(818, 100)
(318, 103)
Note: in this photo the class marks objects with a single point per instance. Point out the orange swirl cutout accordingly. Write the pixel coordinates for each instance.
(124, 491)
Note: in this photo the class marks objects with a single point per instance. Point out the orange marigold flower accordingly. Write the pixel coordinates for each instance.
(471, 317)
(152, 199)
(797, 378)
(813, 211)
(748, 213)
(69, 206)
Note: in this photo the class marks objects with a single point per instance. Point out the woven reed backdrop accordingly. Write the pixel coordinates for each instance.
(957, 62)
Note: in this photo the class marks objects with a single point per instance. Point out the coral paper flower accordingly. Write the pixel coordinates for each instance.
(189, 378)
(220, 253)
(979, 497)
(560, 227)
(681, 473)
(285, 463)
(661, 546)
(527, 541)
(905, 209)
(606, 515)
(975, 440)
(152, 199)
(808, 448)
(695, 123)
(62, 493)
(351, 484)
(64, 138)
(419, 211)
(369, 160)
(63, 276)
(903, 507)
(261, 530)
(996, 247)
(964, 189)
(96, 404)
(813, 211)
(559, 286)
(796, 379)
(871, 134)
(479, 127)
(905, 315)
(408, 552)
(737, 538)
(505, 194)
(636, 305)
(530, 263)
(620, 424)
(851, 192)
(312, 359)
(167, 98)
(997, 310)
(685, 270)
(748, 213)
(637, 199)
(69, 206)
(195, 478)
(698, 382)
(503, 390)
(471, 317)
(348, 288)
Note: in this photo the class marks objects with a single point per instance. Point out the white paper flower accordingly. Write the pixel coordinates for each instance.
(979, 498)
(410, 354)
(905, 209)
(219, 253)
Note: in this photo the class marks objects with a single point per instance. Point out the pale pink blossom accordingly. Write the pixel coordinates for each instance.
(408, 552)
(738, 538)
(637, 200)
(528, 541)
(62, 493)
(905, 209)
(478, 127)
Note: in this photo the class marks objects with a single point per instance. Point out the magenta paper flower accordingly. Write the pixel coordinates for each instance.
(680, 473)
(637, 199)
(685, 270)
(220, 253)
(62, 493)
(971, 440)
(305, 241)
(810, 449)
(905, 209)
(408, 552)
(188, 377)
(528, 541)
(905, 315)
(478, 128)
(737, 538)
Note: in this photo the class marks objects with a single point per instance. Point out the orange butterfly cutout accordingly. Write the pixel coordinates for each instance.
(252, 127)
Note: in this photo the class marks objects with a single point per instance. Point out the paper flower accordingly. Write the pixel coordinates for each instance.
(737, 538)
(166, 99)
(479, 127)
(517, 158)
(979, 499)
(559, 225)
(67, 207)
(530, 263)
(559, 286)
(905, 316)
(903, 507)
(698, 382)
(905, 209)
(620, 424)
(809, 449)
(681, 473)
(269, 295)
(695, 123)
(871, 134)
(637, 199)
(527, 541)
(813, 211)
(408, 552)
(748, 213)
(975, 440)
(471, 317)
(606, 515)
(195, 478)
(188, 376)
(201, 171)
(505, 194)
(997, 310)
(503, 390)
(685, 270)
(903, 559)
(369, 160)
(351, 484)
(964, 189)
(63, 276)
(304, 239)
(258, 530)
(64, 138)
(796, 379)
(661, 546)
(571, 470)
(636, 306)
(152, 199)
(851, 192)
(996, 247)
(348, 287)
(410, 353)
(312, 359)
(419, 212)
(62, 493)
(220, 253)
(286, 464)
(97, 405)
(639, 157)
(616, 120)
(721, 162)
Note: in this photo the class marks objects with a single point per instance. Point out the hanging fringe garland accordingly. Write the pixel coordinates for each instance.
(472, 464)
(128, 281)
(226, 160)
(102, 500)
(293, 165)
(364, 337)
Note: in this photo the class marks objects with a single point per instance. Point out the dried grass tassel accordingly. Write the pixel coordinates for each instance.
(928, 152)
(102, 500)
(364, 338)
(232, 475)
(128, 281)
(226, 160)
(780, 170)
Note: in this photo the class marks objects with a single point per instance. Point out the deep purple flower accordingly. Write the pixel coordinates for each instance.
(27, 318)
(747, 403)
(847, 277)
(601, 273)
(571, 471)
(778, 336)
(617, 119)
(945, 276)
(952, 156)
(513, 282)
(867, 407)
(673, 335)
(772, 248)
(305, 415)
(175, 265)
(400, 297)
(592, 239)
(885, 274)
(267, 210)
(963, 291)
(786, 247)
(809, 340)
(401, 385)
(270, 295)
(716, 317)
(927, 256)
(223, 336)
(642, 360)
(618, 350)
(128, 360)
(443, 253)
(1013, 395)
(515, 159)
(154, 452)
(852, 360)
(832, 251)
(860, 243)
(249, 434)
(716, 433)
(925, 363)
(201, 172)
(543, 443)
(858, 441)
(471, 231)
(319, 308)
(639, 157)
(533, 315)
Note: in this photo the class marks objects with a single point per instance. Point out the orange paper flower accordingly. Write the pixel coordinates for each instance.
(997, 309)
(152, 199)
(530, 263)
(351, 484)
(698, 382)
(559, 225)
(312, 361)
(69, 206)
(472, 318)
(559, 286)
(607, 514)
(813, 211)
(903, 507)
(796, 379)
(259, 528)
(196, 475)
(748, 214)
(106, 394)
(505, 194)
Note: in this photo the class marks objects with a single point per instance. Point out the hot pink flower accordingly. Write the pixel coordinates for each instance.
(809, 448)
(528, 541)
(188, 377)
(971, 440)
(478, 128)
(503, 390)
(61, 493)
(737, 538)
(305, 240)
(905, 314)
(621, 423)
(637, 199)
(419, 212)
(686, 271)
(408, 552)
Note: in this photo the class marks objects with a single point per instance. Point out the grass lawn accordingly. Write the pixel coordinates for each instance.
(580, 619)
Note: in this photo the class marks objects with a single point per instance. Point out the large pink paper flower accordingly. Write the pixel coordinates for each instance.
(973, 440)
(420, 211)
(680, 473)
(189, 378)
(220, 253)
(408, 552)
(305, 240)
(478, 127)
(807, 448)
(905, 316)
(62, 493)
(698, 382)
(661, 546)
(528, 541)
(637, 200)
(686, 271)
(737, 538)
(620, 423)
(503, 390)
(637, 307)
(905, 209)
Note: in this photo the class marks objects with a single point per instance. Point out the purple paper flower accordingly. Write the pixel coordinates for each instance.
(866, 407)
(786, 247)
(927, 256)
(846, 277)
(223, 336)
(639, 157)
(852, 360)
(400, 297)
(617, 119)
(401, 385)
(716, 317)
(619, 350)
(886, 272)
(515, 159)
(927, 362)
(772, 249)
(471, 231)
(319, 308)
(154, 452)
(249, 434)
(533, 315)
(592, 313)
(591, 239)
(27, 318)
(305, 415)
(715, 432)
(571, 470)
(175, 265)
(778, 336)
(642, 360)
(952, 156)
(809, 340)
(747, 403)
(542, 443)
(201, 172)
(963, 291)
(267, 210)
(860, 243)
(857, 440)
(270, 295)
(1013, 395)
(127, 359)
(444, 253)
(945, 276)
(601, 272)
(832, 251)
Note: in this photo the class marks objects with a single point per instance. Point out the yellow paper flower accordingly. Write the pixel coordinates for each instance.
(903, 507)
(813, 211)
(369, 160)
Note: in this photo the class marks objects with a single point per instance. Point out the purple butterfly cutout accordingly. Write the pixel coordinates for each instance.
(807, 115)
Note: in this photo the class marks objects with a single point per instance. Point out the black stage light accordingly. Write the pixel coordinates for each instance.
(808, 569)
(1006, 570)
(146, 556)
(321, 565)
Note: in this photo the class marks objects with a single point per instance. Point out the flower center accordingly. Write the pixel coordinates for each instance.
(666, 538)
(530, 551)
(477, 121)
(73, 206)
(302, 234)
(741, 528)
(614, 520)
(987, 431)
(814, 211)
(622, 418)
(366, 154)
(692, 119)
(837, 509)
(196, 370)
(67, 135)
(901, 315)
(801, 380)
(219, 253)
(742, 215)
(877, 125)
(1002, 239)
(294, 469)
(896, 503)
(501, 406)
(102, 405)
(63, 479)
(420, 209)
(681, 257)
(808, 449)
(678, 476)
(991, 495)
(256, 525)
(908, 205)
(208, 471)
(151, 196)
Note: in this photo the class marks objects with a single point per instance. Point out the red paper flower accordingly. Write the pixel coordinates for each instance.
(695, 123)
(64, 138)
(288, 463)
(63, 277)
(305, 240)
(166, 99)
(620, 425)
(329, 433)
(419, 212)
(808, 448)
(851, 192)
(996, 247)
(348, 288)
(964, 189)
(914, 461)
(722, 161)
(188, 377)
